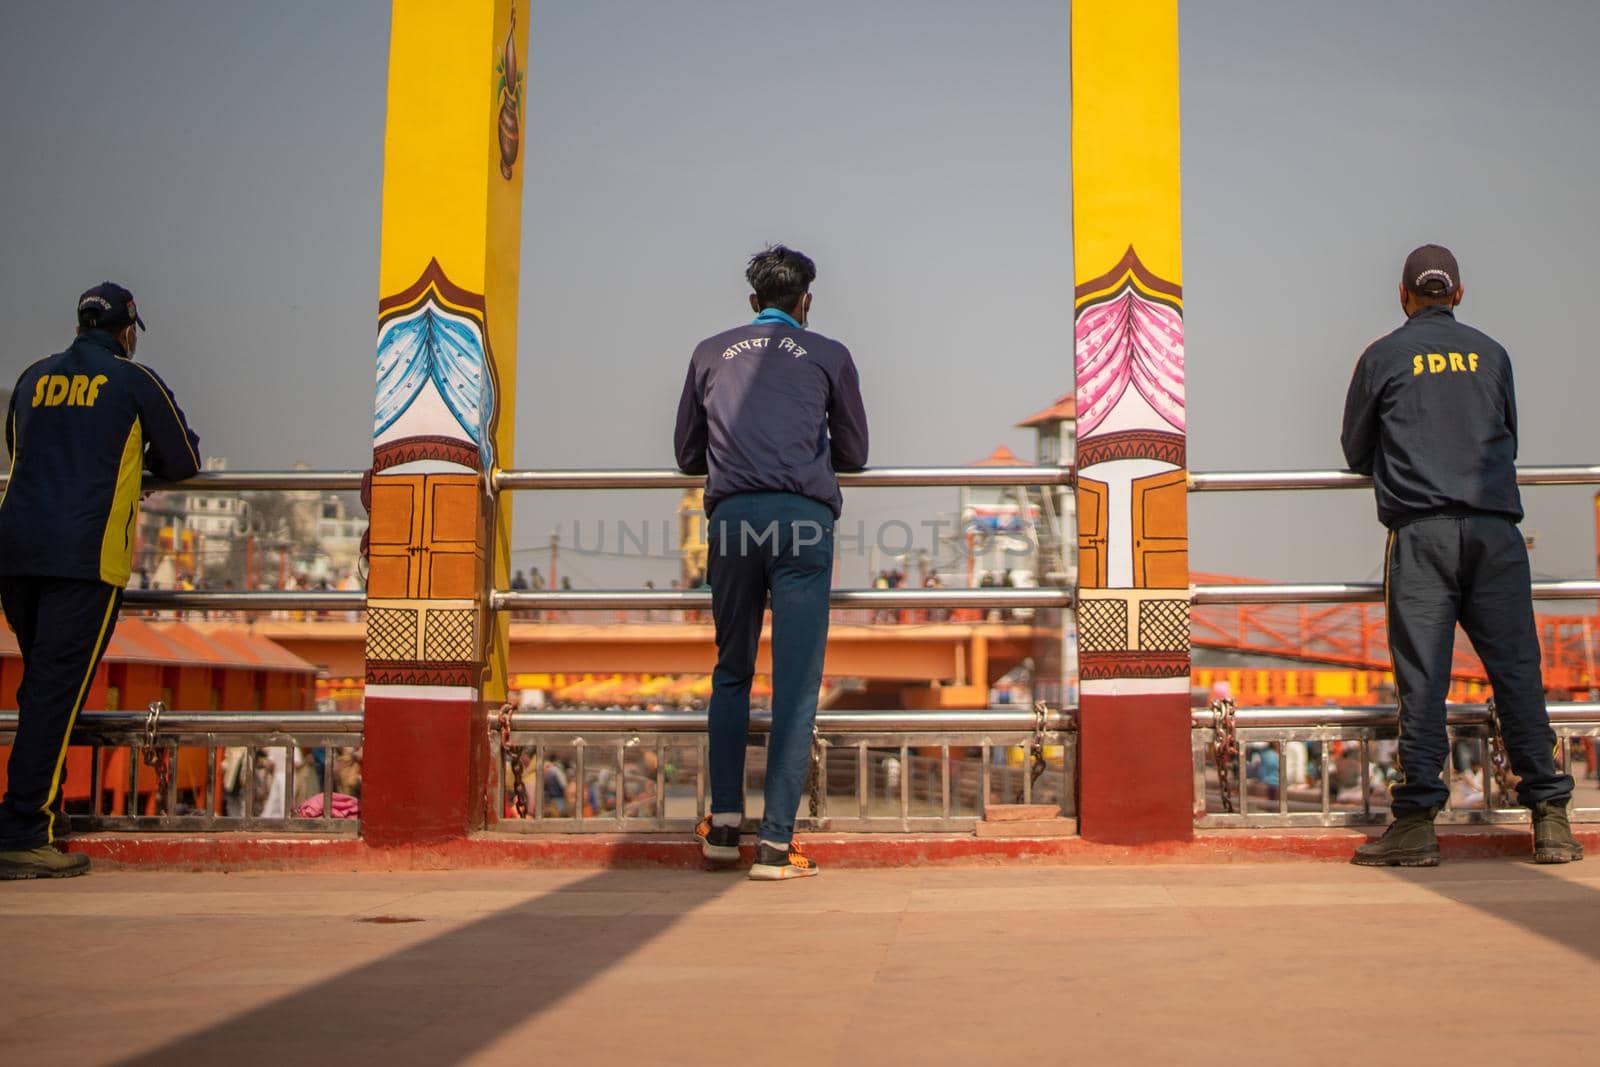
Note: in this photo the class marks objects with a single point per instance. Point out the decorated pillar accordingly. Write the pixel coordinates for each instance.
(1136, 773)
(446, 360)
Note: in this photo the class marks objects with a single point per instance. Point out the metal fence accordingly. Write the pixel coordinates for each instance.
(211, 771)
(900, 771)
(1347, 752)
(908, 771)
(1342, 769)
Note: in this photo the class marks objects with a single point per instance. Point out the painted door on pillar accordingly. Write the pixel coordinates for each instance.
(1161, 531)
(424, 537)
(1092, 499)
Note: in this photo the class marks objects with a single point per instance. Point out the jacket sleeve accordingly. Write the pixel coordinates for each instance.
(1360, 436)
(689, 439)
(1511, 409)
(11, 423)
(847, 419)
(172, 450)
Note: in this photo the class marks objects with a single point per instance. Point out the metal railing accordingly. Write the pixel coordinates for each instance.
(900, 771)
(644, 600)
(1223, 793)
(1248, 481)
(886, 783)
(1357, 592)
(878, 477)
(1349, 787)
(244, 600)
(626, 599)
(199, 772)
(251, 481)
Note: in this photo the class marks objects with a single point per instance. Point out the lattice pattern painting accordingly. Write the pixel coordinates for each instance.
(1102, 625)
(391, 633)
(1164, 626)
(449, 635)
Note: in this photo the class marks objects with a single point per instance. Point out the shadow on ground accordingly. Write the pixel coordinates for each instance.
(1519, 891)
(481, 981)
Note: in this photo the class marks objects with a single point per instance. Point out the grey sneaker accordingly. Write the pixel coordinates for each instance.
(42, 862)
(1408, 842)
(1552, 834)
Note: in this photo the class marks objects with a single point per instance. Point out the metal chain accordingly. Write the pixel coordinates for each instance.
(814, 774)
(519, 789)
(1035, 749)
(1224, 749)
(1499, 760)
(157, 757)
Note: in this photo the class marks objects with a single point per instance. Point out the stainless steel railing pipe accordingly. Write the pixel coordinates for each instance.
(244, 600)
(1376, 716)
(1358, 592)
(245, 481)
(624, 599)
(830, 722)
(132, 723)
(1258, 481)
(512, 480)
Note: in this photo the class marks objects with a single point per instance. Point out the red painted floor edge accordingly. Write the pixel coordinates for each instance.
(240, 852)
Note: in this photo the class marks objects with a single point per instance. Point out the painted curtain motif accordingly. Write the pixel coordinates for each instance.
(436, 378)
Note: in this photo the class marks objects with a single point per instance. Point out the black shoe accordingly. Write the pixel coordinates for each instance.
(719, 844)
(775, 864)
(1408, 842)
(1552, 834)
(42, 862)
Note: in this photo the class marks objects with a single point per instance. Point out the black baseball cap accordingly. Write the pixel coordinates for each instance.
(108, 306)
(1431, 271)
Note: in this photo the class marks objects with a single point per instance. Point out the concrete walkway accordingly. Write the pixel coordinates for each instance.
(1287, 963)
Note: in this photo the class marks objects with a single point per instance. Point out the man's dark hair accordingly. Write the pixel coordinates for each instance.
(780, 276)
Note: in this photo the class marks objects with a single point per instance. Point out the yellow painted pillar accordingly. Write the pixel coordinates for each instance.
(1133, 565)
(444, 413)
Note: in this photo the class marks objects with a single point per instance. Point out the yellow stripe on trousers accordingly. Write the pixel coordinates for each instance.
(77, 706)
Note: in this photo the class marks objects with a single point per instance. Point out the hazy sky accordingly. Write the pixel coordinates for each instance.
(223, 159)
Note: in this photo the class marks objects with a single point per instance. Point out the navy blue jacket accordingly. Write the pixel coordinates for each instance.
(1432, 416)
(770, 408)
(82, 427)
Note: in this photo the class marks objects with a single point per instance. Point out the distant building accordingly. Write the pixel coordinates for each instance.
(255, 538)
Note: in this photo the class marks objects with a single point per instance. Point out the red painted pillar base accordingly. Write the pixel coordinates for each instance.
(424, 770)
(1136, 771)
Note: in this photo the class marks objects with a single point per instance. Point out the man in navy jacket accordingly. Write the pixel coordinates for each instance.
(1431, 415)
(769, 412)
(83, 427)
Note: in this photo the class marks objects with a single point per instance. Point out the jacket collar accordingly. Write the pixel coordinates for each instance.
(1433, 311)
(102, 339)
(772, 316)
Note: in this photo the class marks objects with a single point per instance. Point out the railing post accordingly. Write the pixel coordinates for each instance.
(447, 327)
(1133, 571)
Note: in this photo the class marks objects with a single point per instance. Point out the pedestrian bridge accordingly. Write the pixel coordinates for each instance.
(945, 765)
